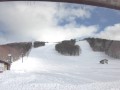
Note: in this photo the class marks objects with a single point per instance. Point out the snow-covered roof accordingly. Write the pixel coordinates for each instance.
(1, 61)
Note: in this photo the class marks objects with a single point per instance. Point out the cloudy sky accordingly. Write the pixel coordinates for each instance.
(48, 21)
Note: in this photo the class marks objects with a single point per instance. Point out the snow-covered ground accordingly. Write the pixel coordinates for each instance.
(45, 69)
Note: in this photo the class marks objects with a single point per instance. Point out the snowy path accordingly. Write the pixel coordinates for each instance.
(45, 69)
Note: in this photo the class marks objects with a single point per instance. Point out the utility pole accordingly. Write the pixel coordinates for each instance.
(10, 58)
(9, 61)
(22, 57)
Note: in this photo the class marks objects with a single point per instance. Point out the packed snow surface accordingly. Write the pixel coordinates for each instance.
(46, 69)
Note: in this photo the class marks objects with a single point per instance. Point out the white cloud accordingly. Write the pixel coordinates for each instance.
(39, 21)
(111, 32)
(70, 12)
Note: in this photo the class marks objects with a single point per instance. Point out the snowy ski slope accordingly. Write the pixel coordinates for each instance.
(45, 69)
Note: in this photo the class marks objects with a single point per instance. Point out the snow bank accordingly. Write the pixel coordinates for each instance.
(47, 81)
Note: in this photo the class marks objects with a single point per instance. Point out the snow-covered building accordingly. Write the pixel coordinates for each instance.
(4, 66)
